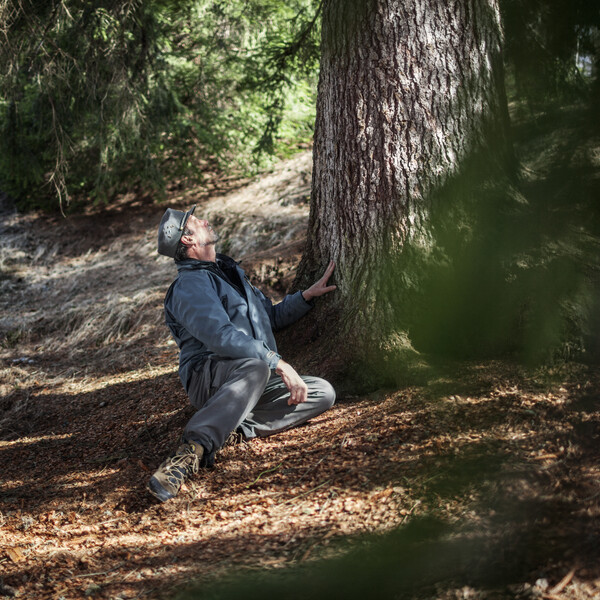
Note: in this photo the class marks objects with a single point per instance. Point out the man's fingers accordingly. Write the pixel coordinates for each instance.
(295, 384)
(328, 272)
(298, 394)
(322, 289)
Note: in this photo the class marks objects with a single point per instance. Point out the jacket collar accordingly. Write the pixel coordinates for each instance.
(191, 264)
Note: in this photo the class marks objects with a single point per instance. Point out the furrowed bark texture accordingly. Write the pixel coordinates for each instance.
(409, 91)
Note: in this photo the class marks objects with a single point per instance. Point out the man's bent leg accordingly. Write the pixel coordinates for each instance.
(224, 393)
(273, 414)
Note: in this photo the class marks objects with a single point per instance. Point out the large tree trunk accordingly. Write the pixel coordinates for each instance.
(411, 111)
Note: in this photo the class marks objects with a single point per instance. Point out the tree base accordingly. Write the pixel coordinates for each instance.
(351, 365)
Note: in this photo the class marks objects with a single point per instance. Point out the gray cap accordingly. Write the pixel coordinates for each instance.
(170, 230)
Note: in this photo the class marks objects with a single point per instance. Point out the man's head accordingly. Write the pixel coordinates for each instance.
(171, 230)
(181, 235)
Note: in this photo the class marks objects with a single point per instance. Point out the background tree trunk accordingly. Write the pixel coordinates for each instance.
(411, 118)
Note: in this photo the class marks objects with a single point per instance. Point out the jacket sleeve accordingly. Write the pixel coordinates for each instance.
(286, 312)
(198, 308)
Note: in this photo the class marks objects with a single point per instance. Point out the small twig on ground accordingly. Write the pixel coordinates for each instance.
(107, 459)
(308, 552)
(97, 574)
(306, 493)
(127, 575)
(591, 497)
(410, 511)
(109, 521)
(563, 583)
(312, 546)
(264, 473)
(311, 468)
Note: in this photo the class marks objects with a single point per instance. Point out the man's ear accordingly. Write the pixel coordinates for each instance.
(187, 240)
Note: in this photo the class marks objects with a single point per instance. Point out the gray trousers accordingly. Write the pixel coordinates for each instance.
(243, 393)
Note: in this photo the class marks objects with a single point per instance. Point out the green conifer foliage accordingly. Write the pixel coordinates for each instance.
(98, 97)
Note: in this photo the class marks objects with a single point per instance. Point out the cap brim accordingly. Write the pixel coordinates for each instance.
(187, 215)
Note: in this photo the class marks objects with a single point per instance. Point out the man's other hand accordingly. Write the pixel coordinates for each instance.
(320, 287)
(294, 383)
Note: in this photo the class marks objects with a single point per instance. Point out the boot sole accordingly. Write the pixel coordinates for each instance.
(158, 491)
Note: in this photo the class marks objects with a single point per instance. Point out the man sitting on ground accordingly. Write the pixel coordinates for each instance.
(228, 361)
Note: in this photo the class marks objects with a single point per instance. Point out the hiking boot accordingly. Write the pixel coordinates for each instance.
(235, 438)
(169, 477)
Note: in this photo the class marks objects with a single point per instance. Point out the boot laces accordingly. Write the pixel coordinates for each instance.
(234, 439)
(182, 465)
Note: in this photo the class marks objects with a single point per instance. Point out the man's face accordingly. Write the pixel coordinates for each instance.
(203, 232)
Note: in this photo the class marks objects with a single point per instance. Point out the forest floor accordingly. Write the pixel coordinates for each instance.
(481, 481)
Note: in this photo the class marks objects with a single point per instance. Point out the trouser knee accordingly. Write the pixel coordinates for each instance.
(322, 392)
(328, 394)
(255, 373)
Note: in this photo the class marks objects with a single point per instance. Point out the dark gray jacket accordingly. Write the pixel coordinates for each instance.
(213, 309)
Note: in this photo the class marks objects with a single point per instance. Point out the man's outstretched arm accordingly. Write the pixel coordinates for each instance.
(294, 383)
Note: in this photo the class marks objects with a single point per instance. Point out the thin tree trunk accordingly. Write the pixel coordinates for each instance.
(410, 99)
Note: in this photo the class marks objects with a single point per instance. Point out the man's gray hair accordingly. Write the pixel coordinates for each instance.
(182, 252)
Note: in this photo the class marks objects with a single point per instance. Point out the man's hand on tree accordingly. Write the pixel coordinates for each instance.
(320, 287)
(294, 383)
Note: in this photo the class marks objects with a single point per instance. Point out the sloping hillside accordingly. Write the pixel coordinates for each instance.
(503, 457)
(93, 284)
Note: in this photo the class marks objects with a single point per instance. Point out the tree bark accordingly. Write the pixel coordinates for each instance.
(411, 117)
